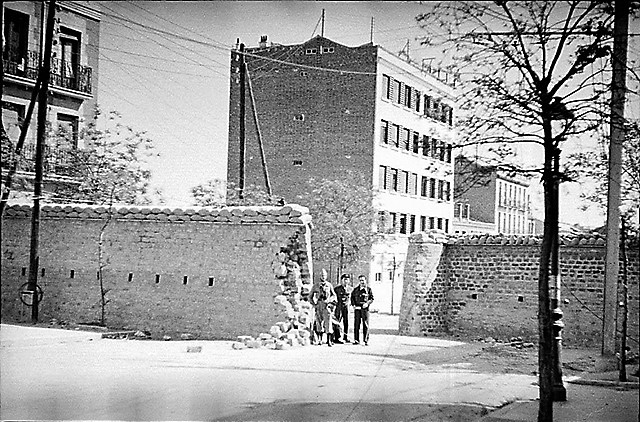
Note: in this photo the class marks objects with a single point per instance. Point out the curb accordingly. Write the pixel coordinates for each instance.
(626, 385)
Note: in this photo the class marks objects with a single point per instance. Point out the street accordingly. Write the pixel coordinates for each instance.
(67, 375)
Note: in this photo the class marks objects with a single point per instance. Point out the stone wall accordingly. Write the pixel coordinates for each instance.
(211, 272)
(480, 286)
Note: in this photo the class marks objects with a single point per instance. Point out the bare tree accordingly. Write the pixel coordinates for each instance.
(529, 74)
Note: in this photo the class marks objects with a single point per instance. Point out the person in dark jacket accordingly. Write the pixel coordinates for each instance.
(361, 298)
(343, 292)
(323, 297)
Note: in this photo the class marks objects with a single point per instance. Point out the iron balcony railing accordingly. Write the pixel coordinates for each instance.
(64, 74)
(56, 161)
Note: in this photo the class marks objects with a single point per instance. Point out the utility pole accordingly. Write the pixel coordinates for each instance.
(243, 70)
(265, 171)
(393, 279)
(618, 94)
(622, 376)
(45, 70)
(322, 30)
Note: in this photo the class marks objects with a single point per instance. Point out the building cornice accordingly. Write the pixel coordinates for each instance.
(81, 9)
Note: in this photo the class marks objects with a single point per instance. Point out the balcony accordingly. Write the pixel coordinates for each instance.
(56, 162)
(64, 74)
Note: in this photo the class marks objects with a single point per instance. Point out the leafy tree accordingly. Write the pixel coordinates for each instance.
(111, 167)
(212, 193)
(528, 75)
(343, 218)
(591, 167)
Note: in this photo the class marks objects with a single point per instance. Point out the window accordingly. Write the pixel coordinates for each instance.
(426, 145)
(378, 276)
(423, 223)
(406, 138)
(416, 142)
(465, 211)
(297, 163)
(432, 222)
(413, 184)
(434, 148)
(412, 223)
(417, 101)
(395, 135)
(311, 51)
(439, 223)
(327, 50)
(432, 188)
(394, 180)
(449, 147)
(68, 126)
(404, 181)
(450, 116)
(12, 117)
(384, 132)
(447, 191)
(299, 117)
(407, 96)
(382, 177)
(381, 222)
(392, 222)
(427, 105)
(403, 223)
(442, 151)
(446, 225)
(397, 86)
(386, 86)
(70, 58)
(435, 108)
(424, 187)
(16, 38)
(440, 189)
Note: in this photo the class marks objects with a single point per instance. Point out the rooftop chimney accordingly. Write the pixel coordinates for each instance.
(263, 41)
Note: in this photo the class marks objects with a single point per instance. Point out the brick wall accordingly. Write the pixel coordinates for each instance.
(169, 271)
(324, 121)
(487, 286)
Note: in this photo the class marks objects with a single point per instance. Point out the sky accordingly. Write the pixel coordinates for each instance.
(165, 67)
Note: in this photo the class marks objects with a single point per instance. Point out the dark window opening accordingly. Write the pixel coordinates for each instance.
(72, 274)
(130, 279)
(211, 281)
(185, 279)
(157, 278)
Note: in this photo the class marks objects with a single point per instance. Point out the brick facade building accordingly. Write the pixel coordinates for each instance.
(324, 109)
(488, 200)
(72, 86)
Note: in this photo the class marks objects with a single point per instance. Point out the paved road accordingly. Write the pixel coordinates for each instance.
(63, 375)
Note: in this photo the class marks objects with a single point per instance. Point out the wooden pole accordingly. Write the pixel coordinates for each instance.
(45, 70)
(243, 69)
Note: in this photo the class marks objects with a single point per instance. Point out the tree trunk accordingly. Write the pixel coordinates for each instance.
(545, 337)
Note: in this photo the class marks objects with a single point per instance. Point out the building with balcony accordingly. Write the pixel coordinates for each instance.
(72, 84)
(323, 109)
(489, 200)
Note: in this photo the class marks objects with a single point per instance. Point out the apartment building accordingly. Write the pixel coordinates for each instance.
(73, 79)
(488, 200)
(324, 109)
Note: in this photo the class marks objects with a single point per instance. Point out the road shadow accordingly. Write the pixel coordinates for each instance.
(349, 411)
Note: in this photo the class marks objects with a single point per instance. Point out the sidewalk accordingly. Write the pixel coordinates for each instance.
(590, 399)
(22, 335)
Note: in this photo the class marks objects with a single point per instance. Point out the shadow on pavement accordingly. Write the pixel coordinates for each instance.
(311, 412)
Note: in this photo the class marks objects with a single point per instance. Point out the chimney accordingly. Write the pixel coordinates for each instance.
(263, 41)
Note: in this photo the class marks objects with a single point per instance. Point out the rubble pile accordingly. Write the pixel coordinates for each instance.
(285, 334)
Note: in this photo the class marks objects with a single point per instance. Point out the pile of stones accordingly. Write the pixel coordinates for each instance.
(294, 332)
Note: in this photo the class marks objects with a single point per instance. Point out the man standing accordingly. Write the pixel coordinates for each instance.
(342, 309)
(361, 298)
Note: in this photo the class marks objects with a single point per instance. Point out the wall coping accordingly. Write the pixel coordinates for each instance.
(586, 239)
(287, 214)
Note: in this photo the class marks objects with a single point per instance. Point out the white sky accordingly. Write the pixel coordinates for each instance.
(174, 83)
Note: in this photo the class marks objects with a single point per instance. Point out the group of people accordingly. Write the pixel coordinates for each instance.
(332, 309)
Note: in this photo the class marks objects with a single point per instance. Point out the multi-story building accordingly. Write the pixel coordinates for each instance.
(73, 78)
(324, 109)
(489, 200)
